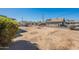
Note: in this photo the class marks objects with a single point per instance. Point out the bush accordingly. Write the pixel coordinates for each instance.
(8, 29)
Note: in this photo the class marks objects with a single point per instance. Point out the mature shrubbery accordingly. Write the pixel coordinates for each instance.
(8, 29)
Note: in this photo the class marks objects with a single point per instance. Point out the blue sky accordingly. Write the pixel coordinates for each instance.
(34, 14)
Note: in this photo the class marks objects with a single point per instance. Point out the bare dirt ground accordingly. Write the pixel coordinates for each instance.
(51, 38)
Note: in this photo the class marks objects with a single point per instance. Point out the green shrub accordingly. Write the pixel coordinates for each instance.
(8, 29)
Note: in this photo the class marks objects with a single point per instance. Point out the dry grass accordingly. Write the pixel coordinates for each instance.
(53, 38)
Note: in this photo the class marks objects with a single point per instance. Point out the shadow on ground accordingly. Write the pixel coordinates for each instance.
(22, 45)
(18, 33)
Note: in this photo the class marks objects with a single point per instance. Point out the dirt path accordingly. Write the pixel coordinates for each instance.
(51, 38)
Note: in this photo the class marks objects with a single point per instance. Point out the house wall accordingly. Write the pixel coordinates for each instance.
(53, 24)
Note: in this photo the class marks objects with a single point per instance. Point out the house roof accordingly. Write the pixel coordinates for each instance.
(76, 22)
(55, 20)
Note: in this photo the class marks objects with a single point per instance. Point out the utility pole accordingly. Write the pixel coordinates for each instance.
(22, 21)
(43, 17)
(22, 18)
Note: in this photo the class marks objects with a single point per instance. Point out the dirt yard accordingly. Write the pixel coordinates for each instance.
(51, 38)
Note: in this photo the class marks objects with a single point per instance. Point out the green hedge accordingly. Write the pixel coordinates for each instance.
(8, 29)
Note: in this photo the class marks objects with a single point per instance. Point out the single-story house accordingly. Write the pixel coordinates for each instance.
(56, 22)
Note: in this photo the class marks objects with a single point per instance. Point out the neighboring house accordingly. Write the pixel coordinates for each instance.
(72, 22)
(57, 22)
(22, 24)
